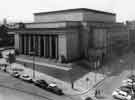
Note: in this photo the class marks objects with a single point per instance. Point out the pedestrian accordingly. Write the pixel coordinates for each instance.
(96, 92)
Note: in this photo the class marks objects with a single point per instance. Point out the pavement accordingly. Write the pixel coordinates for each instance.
(119, 69)
(81, 87)
(84, 80)
(43, 64)
(16, 89)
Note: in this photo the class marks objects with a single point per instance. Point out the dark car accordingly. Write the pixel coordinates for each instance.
(128, 88)
(16, 74)
(41, 83)
(88, 98)
(132, 77)
(53, 88)
(1, 56)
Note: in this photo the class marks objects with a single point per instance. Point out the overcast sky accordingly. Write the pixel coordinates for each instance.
(22, 10)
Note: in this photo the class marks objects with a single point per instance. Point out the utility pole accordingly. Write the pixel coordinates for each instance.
(33, 54)
(34, 65)
(95, 65)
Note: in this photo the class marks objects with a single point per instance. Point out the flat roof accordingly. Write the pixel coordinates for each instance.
(74, 10)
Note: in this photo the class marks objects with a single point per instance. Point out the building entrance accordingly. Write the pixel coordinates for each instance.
(43, 45)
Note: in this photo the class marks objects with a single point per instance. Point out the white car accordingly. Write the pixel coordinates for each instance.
(26, 77)
(128, 82)
(121, 95)
(52, 85)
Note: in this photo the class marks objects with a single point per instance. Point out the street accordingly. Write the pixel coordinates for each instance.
(16, 89)
(118, 72)
(7, 93)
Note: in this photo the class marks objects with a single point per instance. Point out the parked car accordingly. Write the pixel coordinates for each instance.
(126, 89)
(88, 98)
(26, 77)
(132, 77)
(1, 56)
(41, 83)
(128, 82)
(54, 88)
(15, 74)
(129, 86)
(118, 94)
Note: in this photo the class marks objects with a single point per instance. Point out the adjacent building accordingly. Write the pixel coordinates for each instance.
(68, 35)
(131, 27)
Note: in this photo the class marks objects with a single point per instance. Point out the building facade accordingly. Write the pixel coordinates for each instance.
(68, 34)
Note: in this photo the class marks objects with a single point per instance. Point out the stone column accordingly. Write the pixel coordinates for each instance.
(29, 42)
(20, 44)
(39, 45)
(47, 47)
(27, 45)
(22, 37)
(24, 44)
(34, 43)
(50, 46)
(44, 39)
(16, 37)
(56, 47)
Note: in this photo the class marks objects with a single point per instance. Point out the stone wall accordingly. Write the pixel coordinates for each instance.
(90, 16)
(73, 48)
(75, 16)
(100, 38)
(72, 16)
(118, 39)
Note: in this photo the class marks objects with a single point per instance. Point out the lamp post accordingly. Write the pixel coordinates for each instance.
(33, 53)
(95, 65)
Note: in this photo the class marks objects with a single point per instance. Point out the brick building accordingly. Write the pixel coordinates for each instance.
(69, 34)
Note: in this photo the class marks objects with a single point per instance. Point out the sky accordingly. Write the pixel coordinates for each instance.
(22, 10)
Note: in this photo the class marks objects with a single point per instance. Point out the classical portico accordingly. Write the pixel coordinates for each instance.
(44, 45)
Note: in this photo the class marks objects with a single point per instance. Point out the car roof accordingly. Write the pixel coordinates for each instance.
(121, 92)
(52, 85)
(25, 75)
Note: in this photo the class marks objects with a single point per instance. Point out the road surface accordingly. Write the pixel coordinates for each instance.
(16, 89)
(11, 94)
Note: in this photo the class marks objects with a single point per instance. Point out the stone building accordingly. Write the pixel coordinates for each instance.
(68, 34)
(131, 27)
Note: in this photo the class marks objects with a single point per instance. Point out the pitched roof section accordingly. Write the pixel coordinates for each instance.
(74, 10)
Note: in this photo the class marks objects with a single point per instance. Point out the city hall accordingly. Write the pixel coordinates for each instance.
(69, 34)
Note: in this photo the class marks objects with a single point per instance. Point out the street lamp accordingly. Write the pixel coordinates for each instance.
(95, 66)
(33, 53)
